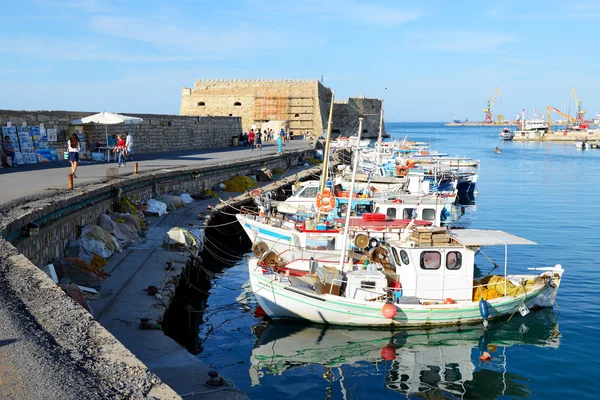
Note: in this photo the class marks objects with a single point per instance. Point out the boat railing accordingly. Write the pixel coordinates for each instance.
(445, 295)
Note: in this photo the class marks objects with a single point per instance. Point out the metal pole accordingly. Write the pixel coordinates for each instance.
(349, 209)
(327, 143)
(505, 265)
(380, 135)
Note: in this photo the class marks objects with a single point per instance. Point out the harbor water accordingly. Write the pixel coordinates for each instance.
(545, 192)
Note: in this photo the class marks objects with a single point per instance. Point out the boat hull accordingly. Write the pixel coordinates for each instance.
(280, 300)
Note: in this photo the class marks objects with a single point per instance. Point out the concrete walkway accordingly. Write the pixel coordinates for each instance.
(124, 302)
(30, 179)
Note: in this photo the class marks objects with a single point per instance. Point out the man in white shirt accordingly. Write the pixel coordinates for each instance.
(129, 146)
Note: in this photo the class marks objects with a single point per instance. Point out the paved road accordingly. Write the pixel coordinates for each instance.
(29, 179)
(32, 365)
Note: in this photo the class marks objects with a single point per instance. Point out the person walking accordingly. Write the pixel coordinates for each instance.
(251, 139)
(9, 150)
(129, 146)
(258, 140)
(271, 136)
(282, 136)
(280, 144)
(73, 147)
(121, 149)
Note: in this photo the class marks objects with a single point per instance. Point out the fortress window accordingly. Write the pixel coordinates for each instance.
(296, 115)
(201, 104)
(231, 115)
(237, 104)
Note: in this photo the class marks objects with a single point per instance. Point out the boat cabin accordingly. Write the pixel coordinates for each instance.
(432, 211)
(436, 264)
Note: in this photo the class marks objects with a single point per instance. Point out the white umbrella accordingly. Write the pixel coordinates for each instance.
(107, 118)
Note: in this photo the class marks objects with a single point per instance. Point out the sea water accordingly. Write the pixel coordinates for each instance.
(545, 192)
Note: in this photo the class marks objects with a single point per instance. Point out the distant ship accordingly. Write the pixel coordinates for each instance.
(458, 121)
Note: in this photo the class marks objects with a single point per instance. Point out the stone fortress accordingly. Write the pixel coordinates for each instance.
(296, 105)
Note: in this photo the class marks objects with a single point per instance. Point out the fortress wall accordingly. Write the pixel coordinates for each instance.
(346, 115)
(257, 100)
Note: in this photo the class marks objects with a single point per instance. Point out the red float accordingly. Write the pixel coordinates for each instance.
(485, 356)
(449, 301)
(388, 310)
(388, 353)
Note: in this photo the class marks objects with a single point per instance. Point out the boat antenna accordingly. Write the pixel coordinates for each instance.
(350, 196)
(380, 135)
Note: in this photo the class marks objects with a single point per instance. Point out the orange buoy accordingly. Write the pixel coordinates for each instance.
(485, 356)
(325, 202)
(449, 301)
(388, 353)
(255, 192)
(388, 310)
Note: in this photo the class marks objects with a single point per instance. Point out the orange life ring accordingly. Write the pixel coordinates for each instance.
(325, 202)
(401, 170)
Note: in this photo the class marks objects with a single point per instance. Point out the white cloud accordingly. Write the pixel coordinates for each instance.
(456, 41)
(344, 10)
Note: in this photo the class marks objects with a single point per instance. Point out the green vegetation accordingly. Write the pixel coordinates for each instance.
(209, 192)
(278, 171)
(312, 161)
(126, 206)
(240, 184)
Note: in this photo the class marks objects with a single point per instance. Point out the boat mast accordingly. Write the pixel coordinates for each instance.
(380, 135)
(350, 196)
(326, 151)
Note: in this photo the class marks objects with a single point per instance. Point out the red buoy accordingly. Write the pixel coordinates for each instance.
(449, 301)
(485, 356)
(388, 310)
(388, 353)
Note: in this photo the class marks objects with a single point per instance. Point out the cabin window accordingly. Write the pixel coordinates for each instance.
(359, 209)
(237, 104)
(429, 214)
(404, 257)
(453, 260)
(408, 213)
(368, 285)
(396, 258)
(390, 213)
(431, 260)
(201, 104)
(309, 192)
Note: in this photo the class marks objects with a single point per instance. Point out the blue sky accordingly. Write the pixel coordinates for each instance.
(437, 59)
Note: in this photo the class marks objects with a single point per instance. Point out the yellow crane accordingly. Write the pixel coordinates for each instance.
(580, 112)
(489, 119)
(556, 110)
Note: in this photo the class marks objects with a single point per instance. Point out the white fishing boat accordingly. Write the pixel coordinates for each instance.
(532, 128)
(506, 134)
(581, 144)
(426, 279)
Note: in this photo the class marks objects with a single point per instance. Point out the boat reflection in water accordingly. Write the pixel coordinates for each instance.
(440, 361)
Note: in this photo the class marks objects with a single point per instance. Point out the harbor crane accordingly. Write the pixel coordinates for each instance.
(571, 122)
(489, 119)
(580, 112)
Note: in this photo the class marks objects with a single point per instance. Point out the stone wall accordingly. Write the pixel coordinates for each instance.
(347, 113)
(297, 102)
(302, 105)
(157, 132)
(60, 217)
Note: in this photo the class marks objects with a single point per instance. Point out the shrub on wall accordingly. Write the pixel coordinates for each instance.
(240, 184)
